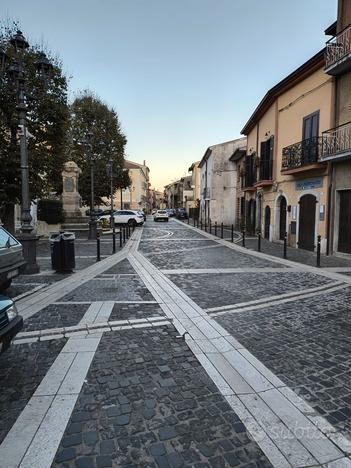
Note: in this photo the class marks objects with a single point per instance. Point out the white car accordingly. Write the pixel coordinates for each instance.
(161, 215)
(131, 217)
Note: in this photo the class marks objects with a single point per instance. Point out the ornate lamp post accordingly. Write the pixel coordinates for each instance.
(13, 69)
(87, 144)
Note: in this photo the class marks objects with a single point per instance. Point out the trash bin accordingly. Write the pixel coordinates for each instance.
(62, 251)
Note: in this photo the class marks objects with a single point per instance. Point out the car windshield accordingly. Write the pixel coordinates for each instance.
(6, 240)
(162, 212)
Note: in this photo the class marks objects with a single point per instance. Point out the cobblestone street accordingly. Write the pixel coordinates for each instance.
(180, 350)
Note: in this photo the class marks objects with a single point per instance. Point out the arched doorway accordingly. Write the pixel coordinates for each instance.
(307, 222)
(267, 221)
(282, 218)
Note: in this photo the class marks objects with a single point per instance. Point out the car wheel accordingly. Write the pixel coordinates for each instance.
(5, 285)
(131, 222)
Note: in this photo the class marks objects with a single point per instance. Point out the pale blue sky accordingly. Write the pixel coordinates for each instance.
(182, 74)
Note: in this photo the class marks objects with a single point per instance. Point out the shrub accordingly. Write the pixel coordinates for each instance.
(51, 211)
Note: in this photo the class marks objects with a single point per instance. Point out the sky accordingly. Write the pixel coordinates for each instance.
(182, 74)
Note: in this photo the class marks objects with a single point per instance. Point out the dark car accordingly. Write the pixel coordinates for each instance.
(10, 322)
(97, 212)
(181, 213)
(11, 258)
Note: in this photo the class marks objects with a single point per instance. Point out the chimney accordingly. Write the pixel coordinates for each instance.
(144, 162)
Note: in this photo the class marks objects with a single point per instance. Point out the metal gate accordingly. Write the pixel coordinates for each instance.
(344, 242)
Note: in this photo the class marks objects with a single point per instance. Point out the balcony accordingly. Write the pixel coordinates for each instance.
(302, 156)
(338, 53)
(337, 143)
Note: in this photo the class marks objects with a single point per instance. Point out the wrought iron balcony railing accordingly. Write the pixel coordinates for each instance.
(337, 142)
(265, 172)
(302, 153)
(338, 48)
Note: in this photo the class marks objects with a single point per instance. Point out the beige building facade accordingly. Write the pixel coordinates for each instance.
(136, 196)
(284, 180)
(337, 139)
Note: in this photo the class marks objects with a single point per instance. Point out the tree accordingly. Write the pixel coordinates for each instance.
(107, 141)
(47, 121)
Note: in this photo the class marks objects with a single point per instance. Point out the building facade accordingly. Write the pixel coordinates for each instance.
(283, 176)
(218, 176)
(337, 139)
(136, 196)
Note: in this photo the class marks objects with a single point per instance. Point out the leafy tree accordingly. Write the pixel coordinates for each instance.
(47, 121)
(90, 116)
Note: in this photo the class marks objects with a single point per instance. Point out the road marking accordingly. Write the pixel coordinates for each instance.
(241, 376)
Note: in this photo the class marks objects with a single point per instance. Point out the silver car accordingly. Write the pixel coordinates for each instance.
(161, 215)
(11, 258)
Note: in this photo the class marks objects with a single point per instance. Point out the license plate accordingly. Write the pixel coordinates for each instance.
(11, 274)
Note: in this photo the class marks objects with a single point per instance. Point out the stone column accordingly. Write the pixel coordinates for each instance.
(71, 199)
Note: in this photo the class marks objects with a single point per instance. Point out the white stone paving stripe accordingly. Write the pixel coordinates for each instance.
(265, 299)
(206, 271)
(30, 306)
(190, 249)
(263, 305)
(243, 374)
(263, 256)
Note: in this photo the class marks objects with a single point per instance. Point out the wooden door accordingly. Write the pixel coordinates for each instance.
(267, 221)
(307, 221)
(282, 218)
(344, 242)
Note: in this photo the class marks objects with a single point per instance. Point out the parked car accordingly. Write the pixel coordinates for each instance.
(98, 212)
(142, 212)
(181, 213)
(11, 258)
(131, 217)
(153, 211)
(10, 322)
(171, 212)
(161, 215)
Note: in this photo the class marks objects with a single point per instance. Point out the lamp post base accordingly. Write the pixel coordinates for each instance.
(29, 244)
(93, 229)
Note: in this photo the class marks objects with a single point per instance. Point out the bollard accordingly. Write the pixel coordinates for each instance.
(194, 221)
(243, 238)
(201, 224)
(221, 230)
(98, 258)
(133, 227)
(120, 237)
(198, 223)
(259, 241)
(285, 245)
(124, 235)
(188, 220)
(210, 227)
(205, 226)
(319, 251)
(114, 240)
(232, 233)
(216, 228)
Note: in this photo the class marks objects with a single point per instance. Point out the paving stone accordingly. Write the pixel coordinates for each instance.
(85, 462)
(306, 343)
(157, 449)
(103, 461)
(56, 316)
(22, 367)
(65, 454)
(72, 440)
(153, 433)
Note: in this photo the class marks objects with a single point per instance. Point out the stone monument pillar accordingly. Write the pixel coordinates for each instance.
(71, 200)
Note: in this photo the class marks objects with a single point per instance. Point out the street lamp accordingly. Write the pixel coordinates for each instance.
(87, 144)
(13, 68)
